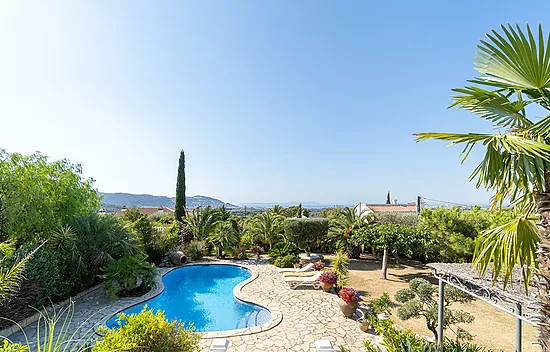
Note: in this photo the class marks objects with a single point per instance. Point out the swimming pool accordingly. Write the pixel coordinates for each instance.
(203, 295)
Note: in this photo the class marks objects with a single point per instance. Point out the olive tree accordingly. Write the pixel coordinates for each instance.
(305, 232)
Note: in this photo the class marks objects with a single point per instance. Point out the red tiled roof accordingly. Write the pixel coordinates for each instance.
(150, 210)
(392, 208)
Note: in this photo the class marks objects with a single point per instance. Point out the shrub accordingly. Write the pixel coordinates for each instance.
(12, 347)
(287, 261)
(128, 276)
(417, 301)
(239, 252)
(349, 295)
(195, 249)
(148, 332)
(155, 243)
(305, 232)
(381, 305)
(341, 265)
(454, 230)
(281, 249)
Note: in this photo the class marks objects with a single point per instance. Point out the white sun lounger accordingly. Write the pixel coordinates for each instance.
(297, 281)
(291, 270)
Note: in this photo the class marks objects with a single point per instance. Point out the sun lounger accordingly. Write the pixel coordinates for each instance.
(291, 270)
(300, 274)
(297, 281)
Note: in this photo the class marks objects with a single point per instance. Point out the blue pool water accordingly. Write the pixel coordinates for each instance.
(203, 295)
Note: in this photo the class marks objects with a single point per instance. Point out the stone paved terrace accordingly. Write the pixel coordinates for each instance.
(302, 316)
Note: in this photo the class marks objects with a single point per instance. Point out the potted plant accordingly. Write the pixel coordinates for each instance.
(258, 251)
(364, 320)
(328, 280)
(348, 301)
(318, 266)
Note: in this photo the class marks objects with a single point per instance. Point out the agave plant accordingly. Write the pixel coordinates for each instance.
(514, 67)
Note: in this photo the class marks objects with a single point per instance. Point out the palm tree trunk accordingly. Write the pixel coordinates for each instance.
(543, 274)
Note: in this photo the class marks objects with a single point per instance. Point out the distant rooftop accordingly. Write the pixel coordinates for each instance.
(392, 208)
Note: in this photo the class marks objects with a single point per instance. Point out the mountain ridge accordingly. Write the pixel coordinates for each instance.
(119, 199)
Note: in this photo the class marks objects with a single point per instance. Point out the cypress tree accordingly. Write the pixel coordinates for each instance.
(180, 189)
(388, 200)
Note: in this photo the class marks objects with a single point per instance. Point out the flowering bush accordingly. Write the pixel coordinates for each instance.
(318, 266)
(328, 277)
(349, 295)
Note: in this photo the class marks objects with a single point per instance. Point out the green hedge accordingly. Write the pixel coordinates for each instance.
(305, 232)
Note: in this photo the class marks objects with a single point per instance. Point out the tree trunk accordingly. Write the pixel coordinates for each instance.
(543, 274)
(385, 264)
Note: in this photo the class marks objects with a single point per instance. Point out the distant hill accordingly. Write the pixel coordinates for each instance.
(113, 201)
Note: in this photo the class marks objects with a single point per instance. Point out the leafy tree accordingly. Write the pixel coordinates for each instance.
(179, 211)
(418, 301)
(38, 196)
(515, 80)
(294, 210)
(305, 232)
(267, 226)
(455, 230)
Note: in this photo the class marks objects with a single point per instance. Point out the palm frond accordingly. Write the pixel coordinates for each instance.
(516, 61)
(10, 277)
(492, 105)
(506, 246)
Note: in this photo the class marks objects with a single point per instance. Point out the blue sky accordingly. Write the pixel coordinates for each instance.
(273, 101)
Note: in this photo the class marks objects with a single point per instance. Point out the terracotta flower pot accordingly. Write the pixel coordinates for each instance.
(364, 328)
(326, 286)
(347, 308)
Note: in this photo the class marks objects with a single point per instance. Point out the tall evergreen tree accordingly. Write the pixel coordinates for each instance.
(180, 189)
(388, 200)
(299, 215)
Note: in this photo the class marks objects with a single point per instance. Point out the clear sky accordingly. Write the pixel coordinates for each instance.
(272, 101)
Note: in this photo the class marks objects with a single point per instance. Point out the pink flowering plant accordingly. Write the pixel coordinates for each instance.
(349, 295)
(328, 277)
(318, 266)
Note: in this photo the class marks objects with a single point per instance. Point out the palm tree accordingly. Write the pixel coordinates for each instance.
(222, 237)
(201, 222)
(515, 77)
(344, 225)
(268, 227)
(277, 209)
